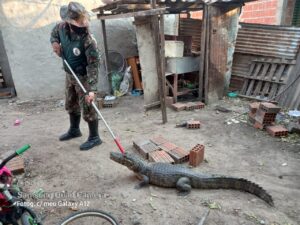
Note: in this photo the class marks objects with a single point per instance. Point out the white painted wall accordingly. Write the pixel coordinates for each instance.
(36, 71)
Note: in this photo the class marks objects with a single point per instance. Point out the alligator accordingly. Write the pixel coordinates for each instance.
(183, 178)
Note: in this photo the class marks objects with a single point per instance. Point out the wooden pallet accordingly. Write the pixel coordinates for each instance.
(2, 82)
(266, 77)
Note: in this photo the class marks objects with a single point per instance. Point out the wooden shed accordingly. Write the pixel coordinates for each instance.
(216, 36)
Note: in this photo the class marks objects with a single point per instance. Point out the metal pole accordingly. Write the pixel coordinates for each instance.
(96, 109)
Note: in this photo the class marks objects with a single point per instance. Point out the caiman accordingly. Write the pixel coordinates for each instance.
(184, 179)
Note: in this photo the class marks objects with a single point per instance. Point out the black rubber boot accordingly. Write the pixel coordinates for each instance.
(74, 130)
(93, 139)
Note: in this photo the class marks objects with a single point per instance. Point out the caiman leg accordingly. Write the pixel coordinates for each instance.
(183, 185)
(143, 183)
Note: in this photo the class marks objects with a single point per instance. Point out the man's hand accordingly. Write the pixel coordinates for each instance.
(89, 98)
(56, 48)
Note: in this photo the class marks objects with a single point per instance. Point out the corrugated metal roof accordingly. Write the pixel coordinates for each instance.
(193, 28)
(268, 40)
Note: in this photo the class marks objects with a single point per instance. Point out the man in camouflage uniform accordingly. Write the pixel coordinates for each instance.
(72, 41)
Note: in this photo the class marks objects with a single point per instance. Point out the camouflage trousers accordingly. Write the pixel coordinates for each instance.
(75, 98)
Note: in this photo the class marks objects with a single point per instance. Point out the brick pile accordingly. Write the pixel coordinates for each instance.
(159, 149)
(189, 106)
(263, 115)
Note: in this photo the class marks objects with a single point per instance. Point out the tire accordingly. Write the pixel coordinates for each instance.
(29, 217)
(97, 215)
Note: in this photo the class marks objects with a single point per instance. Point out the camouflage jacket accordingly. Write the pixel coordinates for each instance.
(90, 49)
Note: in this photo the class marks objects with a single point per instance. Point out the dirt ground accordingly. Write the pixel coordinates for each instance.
(236, 150)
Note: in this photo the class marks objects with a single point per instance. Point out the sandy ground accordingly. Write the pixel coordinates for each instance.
(236, 150)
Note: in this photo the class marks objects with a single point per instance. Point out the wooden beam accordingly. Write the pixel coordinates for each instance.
(104, 45)
(163, 68)
(149, 12)
(158, 32)
(202, 55)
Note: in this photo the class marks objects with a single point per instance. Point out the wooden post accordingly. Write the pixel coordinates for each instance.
(104, 44)
(222, 31)
(158, 29)
(203, 54)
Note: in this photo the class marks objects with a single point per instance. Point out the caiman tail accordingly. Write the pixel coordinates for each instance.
(236, 184)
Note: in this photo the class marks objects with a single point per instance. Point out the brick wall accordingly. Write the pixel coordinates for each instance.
(262, 11)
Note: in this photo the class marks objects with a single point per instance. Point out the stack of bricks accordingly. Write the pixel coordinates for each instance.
(196, 155)
(159, 149)
(160, 156)
(253, 107)
(189, 106)
(262, 114)
(144, 147)
(179, 106)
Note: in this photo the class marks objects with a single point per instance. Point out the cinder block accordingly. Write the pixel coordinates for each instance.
(277, 131)
(269, 107)
(160, 156)
(159, 140)
(179, 106)
(144, 147)
(253, 107)
(196, 155)
(195, 124)
(169, 101)
(168, 146)
(179, 155)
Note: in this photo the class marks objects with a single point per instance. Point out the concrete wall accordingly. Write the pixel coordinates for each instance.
(36, 71)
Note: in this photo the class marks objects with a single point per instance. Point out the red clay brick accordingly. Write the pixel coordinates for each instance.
(199, 105)
(269, 107)
(258, 125)
(159, 140)
(265, 117)
(168, 146)
(179, 106)
(144, 147)
(253, 107)
(160, 156)
(196, 155)
(193, 124)
(179, 155)
(190, 106)
(277, 131)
